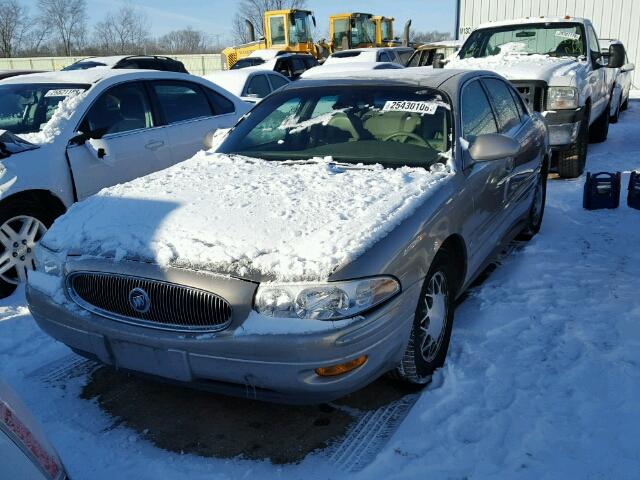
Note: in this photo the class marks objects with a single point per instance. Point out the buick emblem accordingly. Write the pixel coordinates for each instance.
(139, 300)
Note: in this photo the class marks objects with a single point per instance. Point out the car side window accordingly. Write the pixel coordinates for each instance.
(122, 108)
(384, 57)
(594, 45)
(282, 67)
(221, 104)
(477, 116)
(258, 87)
(277, 82)
(180, 101)
(517, 99)
(298, 65)
(506, 110)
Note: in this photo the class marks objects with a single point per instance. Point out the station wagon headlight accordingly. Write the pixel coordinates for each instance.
(324, 301)
(47, 261)
(562, 98)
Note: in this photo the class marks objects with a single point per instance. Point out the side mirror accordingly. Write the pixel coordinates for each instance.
(628, 67)
(82, 137)
(616, 56)
(438, 60)
(208, 141)
(493, 146)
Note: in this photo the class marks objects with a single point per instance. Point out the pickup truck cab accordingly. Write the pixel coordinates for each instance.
(556, 64)
(66, 135)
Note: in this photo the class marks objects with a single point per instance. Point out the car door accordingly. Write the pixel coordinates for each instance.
(485, 180)
(189, 112)
(521, 170)
(131, 141)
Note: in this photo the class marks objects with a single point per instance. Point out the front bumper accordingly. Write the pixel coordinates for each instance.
(275, 367)
(564, 127)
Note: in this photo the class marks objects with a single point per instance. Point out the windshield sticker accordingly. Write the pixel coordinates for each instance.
(569, 35)
(412, 107)
(63, 92)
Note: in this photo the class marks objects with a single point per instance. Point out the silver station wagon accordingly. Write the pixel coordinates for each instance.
(319, 245)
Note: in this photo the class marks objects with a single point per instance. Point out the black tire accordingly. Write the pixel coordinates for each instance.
(415, 368)
(616, 116)
(625, 105)
(600, 129)
(536, 212)
(571, 162)
(21, 207)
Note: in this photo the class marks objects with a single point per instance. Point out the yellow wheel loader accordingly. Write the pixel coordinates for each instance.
(284, 30)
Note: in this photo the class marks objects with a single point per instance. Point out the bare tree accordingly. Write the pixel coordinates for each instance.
(187, 40)
(254, 10)
(432, 36)
(13, 26)
(67, 20)
(125, 31)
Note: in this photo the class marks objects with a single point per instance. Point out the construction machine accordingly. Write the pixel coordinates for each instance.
(362, 30)
(284, 30)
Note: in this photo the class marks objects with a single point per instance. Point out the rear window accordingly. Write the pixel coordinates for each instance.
(247, 62)
(84, 65)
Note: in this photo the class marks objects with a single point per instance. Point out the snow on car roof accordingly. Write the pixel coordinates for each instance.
(109, 61)
(246, 216)
(90, 75)
(526, 20)
(342, 68)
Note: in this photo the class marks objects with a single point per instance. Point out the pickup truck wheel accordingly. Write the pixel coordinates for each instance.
(431, 329)
(571, 162)
(536, 212)
(600, 129)
(22, 225)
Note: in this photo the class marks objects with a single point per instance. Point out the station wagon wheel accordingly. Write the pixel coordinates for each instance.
(23, 223)
(431, 328)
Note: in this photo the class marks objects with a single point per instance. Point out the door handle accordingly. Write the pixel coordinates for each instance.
(154, 144)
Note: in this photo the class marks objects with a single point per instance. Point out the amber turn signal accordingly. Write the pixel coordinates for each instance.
(341, 368)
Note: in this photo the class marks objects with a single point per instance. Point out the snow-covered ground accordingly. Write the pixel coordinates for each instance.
(542, 379)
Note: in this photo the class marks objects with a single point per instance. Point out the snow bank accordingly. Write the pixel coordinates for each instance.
(243, 216)
(50, 130)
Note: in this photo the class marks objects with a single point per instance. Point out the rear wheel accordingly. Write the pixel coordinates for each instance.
(431, 329)
(22, 225)
(571, 162)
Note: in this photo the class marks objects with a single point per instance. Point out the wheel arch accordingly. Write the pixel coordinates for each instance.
(456, 249)
(44, 197)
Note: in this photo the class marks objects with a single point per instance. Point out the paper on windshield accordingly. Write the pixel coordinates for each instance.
(63, 92)
(428, 108)
(569, 35)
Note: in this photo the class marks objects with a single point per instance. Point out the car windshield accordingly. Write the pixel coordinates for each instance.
(554, 39)
(84, 65)
(24, 108)
(391, 125)
(247, 62)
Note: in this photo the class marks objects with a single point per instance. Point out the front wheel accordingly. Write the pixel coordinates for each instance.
(536, 212)
(22, 225)
(571, 162)
(431, 329)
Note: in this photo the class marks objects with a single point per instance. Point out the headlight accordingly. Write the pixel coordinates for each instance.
(48, 261)
(562, 98)
(324, 301)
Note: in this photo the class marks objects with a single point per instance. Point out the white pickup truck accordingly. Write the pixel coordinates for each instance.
(557, 66)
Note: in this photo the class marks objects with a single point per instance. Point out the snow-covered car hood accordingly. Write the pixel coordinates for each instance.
(247, 217)
(521, 67)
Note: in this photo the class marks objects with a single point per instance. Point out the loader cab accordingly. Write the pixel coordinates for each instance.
(352, 30)
(384, 31)
(289, 30)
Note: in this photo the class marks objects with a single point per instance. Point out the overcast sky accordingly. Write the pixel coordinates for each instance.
(214, 16)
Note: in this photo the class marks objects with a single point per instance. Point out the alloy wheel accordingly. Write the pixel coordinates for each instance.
(18, 237)
(434, 316)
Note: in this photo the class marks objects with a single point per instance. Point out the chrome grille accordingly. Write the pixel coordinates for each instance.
(532, 93)
(171, 306)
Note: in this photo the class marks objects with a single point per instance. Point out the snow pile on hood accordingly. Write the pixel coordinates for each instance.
(50, 130)
(244, 216)
(513, 63)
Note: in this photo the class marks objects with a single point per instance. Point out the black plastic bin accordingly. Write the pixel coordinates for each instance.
(633, 197)
(601, 190)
